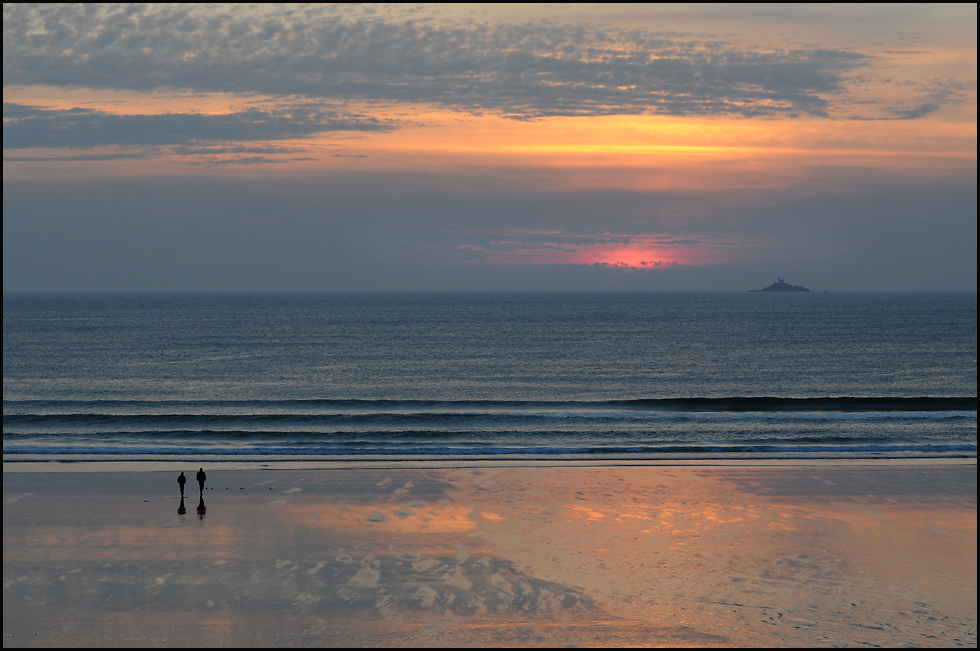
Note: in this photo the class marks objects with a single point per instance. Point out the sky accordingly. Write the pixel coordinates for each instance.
(489, 147)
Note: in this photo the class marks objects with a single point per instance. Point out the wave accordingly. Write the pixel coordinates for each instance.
(695, 404)
(753, 427)
(757, 451)
(442, 419)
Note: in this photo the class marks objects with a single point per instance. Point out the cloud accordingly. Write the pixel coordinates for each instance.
(246, 160)
(524, 71)
(78, 158)
(30, 126)
(679, 242)
(917, 112)
(234, 149)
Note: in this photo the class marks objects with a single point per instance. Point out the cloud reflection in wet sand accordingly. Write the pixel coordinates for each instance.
(612, 556)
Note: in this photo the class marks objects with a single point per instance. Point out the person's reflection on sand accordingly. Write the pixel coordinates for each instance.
(201, 509)
(180, 509)
(180, 482)
(201, 478)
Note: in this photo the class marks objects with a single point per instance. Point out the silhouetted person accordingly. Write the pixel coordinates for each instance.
(180, 482)
(201, 478)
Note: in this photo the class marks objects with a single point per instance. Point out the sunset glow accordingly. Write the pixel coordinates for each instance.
(638, 253)
(779, 143)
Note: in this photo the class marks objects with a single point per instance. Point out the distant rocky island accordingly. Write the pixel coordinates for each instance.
(781, 286)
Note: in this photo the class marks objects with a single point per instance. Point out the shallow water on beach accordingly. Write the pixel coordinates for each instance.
(740, 557)
(485, 376)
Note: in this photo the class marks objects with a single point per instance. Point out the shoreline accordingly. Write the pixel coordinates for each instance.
(222, 462)
(788, 554)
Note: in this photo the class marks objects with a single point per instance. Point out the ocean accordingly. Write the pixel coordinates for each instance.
(516, 376)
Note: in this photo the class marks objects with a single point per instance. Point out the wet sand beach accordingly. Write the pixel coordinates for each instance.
(780, 555)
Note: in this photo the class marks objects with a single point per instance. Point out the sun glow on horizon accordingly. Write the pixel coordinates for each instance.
(636, 252)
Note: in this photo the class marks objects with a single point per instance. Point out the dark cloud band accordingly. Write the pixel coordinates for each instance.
(30, 126)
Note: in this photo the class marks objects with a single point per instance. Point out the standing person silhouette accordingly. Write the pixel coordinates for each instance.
(201, 478)
(180, 482)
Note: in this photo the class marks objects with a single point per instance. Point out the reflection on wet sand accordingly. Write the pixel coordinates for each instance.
(537, 556)
(782, 566)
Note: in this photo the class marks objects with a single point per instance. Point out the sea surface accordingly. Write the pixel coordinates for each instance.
(741, 376)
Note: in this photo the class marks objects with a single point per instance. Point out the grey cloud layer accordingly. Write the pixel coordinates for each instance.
(344, 233)
(525, 71)
(30, 126)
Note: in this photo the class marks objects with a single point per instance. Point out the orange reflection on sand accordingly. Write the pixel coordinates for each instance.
(926, 547)
(121, 542)
(380, 518)
(668, 547)
(578, 512)
(613, 556)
